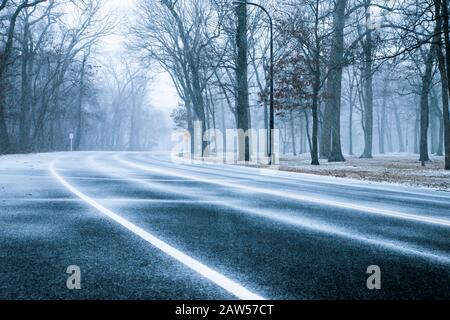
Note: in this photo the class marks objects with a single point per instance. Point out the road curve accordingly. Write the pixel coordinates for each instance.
(141, 226)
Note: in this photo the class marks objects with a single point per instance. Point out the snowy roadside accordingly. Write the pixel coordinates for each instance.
(393, 168)
(37, 161)
(30, 161)
(399, 168)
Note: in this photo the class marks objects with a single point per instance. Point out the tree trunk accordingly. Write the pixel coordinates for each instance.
(446, 113)
(350, 128)
(368, 88)
(401, 145)
(242, 98)
(416, 131)
(444, 69)
(383, 121)
(434, 120)
(440, 150)
(438, 115)
(292, 123)
(301, 134)
(425, 107)
(190, 124)
(24, 119)
(334, 83)
(315, 115)
(79, 134)
(315, 135)
(325, 136)
(224, 132)
(308, 135)
(4, 138)
(389, 138)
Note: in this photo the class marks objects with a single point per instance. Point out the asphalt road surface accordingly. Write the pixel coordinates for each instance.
(140, 226)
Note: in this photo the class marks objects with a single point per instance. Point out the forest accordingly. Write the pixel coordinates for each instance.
(55, 81)
(350, 77)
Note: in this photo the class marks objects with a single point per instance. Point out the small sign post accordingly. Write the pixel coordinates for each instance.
(71, 136)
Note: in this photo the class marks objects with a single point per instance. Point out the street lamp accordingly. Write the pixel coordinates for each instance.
(272, 114)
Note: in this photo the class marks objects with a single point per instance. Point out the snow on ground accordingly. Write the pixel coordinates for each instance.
(29, 161)
(401, 168)
(392, 168)
(34, 161)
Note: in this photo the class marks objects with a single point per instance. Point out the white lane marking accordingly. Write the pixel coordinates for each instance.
(212, 275)
(310, 177)
(297, 197)
(302, 222)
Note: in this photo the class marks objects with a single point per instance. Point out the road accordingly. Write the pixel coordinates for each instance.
(140, 226)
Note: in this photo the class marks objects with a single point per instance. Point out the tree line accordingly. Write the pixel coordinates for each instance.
(360, 76)
(53, 81)
(351, 76)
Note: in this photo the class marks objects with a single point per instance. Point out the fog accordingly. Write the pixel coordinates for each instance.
(359, 77)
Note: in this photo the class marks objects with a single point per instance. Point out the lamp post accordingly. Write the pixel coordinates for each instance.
(270, 152)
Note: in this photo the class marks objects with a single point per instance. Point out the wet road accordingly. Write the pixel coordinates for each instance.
(140, 226)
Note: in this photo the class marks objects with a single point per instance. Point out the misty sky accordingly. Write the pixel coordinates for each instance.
(163, 94)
